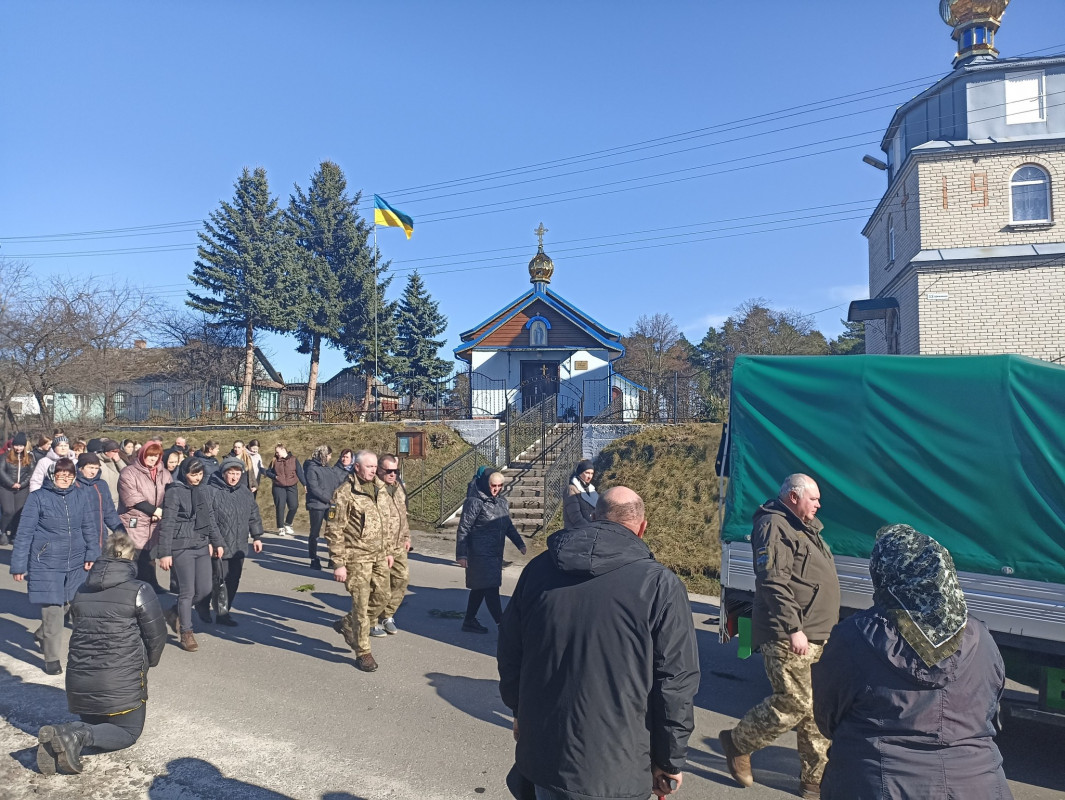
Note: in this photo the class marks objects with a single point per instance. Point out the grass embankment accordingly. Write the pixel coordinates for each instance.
(672, 469)
(441, 446)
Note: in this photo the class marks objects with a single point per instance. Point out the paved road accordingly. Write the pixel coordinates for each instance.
(275, 708)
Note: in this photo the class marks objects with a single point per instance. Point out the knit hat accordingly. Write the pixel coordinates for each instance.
(88, 458)
(108, 445)
(93, 446)
(231, 462)
(583, 466)
(59, 439)
(20, 439)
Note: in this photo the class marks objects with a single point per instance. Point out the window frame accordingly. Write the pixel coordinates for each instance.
(1049, 218)
(1041, 101)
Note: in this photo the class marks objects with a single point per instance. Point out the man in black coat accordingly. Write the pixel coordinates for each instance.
(598, 661)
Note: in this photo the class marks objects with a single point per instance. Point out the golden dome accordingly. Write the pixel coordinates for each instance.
(975, 24)
(541, 268)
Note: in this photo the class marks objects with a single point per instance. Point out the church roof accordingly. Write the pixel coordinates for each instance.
(600, 334)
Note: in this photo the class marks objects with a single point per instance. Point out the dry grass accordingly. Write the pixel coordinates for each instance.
(441, 443)
(672, 469)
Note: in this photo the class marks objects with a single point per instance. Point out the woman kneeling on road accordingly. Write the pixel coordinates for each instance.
(118, 634)
(188, 538)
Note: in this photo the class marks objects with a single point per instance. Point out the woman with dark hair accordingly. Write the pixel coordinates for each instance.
(287, 473)
(907, 690)
(129, 447)
(484, 527)
(15, 472)
(256, 458)
(40, 450)
(57, 529)
(188, 538)
(208, 454)
(322, 481)
(251, 474)
(140, 505)
(171, 460)
(118, 635)
(346, 460)
(579, 506)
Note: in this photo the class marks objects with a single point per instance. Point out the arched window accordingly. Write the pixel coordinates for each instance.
(538, 327)
(1030, 195)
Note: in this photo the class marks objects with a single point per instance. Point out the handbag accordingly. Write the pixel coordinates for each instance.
(219, 593)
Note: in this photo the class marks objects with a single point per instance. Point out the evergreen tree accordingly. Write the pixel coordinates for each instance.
(332, 238)
(248, 267)
(416, 366)
(851, 342)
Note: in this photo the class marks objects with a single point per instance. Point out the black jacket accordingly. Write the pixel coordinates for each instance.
(19, 473)
(321, 481)
(118, 633)
(484, 527)
(598, 660)
(235, 511)
(901, 729)
(188, 521)
(210, 463)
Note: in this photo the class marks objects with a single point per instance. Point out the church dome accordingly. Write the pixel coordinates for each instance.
(541, 267)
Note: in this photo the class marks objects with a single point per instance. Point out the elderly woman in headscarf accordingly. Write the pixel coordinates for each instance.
(907, 690)
(579, 506)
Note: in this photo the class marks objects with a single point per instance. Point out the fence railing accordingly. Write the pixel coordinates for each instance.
(568, 451)
(441, 495)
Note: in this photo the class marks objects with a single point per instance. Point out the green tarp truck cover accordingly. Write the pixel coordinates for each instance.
(968, 449)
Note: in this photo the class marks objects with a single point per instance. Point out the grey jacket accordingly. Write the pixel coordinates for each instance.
(901, 730)
(795, 582)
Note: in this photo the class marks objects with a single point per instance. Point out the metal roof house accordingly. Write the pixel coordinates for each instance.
(539, 345)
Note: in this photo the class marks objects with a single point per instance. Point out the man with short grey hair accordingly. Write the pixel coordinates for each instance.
(796, 605)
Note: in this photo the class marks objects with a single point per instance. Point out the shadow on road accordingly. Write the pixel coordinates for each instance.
(426, 559)
(28, 706)
(16, 640)
(478, 697)
(194, 777)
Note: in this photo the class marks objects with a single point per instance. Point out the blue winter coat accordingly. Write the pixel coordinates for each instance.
(105, 515)
(57, 535)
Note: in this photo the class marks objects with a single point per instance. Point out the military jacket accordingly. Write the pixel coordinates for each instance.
(398, 534)
(356, 523)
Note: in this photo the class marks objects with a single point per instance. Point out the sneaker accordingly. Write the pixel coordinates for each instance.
(473, 626)
(281, 531)
(390, 626)
(53, 668)
(377, 631)
(289, 531)
(366, 663)
(4, 540)
(739, 764)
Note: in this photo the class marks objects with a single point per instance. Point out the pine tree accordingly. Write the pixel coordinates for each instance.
(332, 238)
(416, 366)
(248, 266)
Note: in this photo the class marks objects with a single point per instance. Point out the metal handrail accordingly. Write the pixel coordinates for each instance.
(569, 450)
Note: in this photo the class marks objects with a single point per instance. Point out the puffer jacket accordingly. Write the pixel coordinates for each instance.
(56, 537)
(286, 471)
(322, 482)
(598, 661)
(118, 634)
(19, 473)
(103, 507)
(138, 497)
(484, 527)
(578, 508)
(188, 521)
(40, 470)
(356, 533)
(235, 511)
(901, 729)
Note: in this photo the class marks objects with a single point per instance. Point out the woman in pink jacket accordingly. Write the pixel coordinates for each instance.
(140, 505)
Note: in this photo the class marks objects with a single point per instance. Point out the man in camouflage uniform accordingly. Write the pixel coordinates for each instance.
(796, 605)
(397, 539)
(355, 530)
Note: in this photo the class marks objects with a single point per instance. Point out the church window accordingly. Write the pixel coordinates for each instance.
(1030, 195)
(890, 239)
(1025, 98)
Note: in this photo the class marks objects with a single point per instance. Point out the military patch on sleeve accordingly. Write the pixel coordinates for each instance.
(761, 558)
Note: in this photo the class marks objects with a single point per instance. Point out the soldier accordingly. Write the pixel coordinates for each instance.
(397, 541)
(796, 604)
(355, 529)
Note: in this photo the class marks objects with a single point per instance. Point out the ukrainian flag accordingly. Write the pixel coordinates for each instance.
(388, 217)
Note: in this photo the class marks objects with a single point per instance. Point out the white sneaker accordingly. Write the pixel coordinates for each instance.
(289, 531)
(281, 531)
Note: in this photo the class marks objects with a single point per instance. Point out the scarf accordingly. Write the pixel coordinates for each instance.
(915, 582)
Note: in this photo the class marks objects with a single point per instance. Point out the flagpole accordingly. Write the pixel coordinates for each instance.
(375, 257)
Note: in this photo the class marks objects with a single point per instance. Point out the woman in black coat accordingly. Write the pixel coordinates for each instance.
(118, 634)
(907, 689)
(483, 528)
(15, 472)
(322, 481)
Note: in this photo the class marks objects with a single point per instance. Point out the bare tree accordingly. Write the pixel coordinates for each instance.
(204, 351)
(655, 355)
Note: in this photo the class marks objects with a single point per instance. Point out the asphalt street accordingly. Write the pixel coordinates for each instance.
(275, 708)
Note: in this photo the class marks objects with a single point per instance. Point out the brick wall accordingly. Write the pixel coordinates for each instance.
(902, 213)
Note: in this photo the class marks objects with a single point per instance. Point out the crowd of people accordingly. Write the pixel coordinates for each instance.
(597, 652)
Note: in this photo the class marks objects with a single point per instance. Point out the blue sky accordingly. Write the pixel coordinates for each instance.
(685, 156)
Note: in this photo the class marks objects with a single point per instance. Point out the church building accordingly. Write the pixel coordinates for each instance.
(965, 252)
(539, 345)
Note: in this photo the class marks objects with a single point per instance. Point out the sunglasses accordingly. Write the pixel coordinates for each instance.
(390, 471)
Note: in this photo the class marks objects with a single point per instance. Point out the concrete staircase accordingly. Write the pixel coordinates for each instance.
(524, 487)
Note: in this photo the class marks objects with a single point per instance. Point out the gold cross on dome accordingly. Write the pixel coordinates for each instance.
(540, 234)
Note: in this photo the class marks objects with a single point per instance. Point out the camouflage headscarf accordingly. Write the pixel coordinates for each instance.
(914, 579)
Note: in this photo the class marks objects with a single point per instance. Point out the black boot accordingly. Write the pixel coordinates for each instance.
(47, 761)
(67, 742)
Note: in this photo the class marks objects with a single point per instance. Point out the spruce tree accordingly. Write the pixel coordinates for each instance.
(332, 238)
(416, 367)
(248, 267)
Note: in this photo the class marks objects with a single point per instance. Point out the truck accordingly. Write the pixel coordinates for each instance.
(967, 449)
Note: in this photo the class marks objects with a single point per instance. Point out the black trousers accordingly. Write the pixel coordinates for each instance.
(228, 570)
(115, 731)
(11, 504)
(146, 568)
(490, 597)
(285, 496)
(317, 518)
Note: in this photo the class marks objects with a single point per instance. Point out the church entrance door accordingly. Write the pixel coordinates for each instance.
(539, 379)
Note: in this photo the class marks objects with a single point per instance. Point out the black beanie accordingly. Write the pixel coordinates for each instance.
(20, 439)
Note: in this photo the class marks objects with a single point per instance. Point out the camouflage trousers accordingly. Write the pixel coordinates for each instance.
(790, 706)
(399, 577)
(368, 584)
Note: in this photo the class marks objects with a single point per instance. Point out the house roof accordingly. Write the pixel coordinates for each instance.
(380, 388)
(605, 337)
